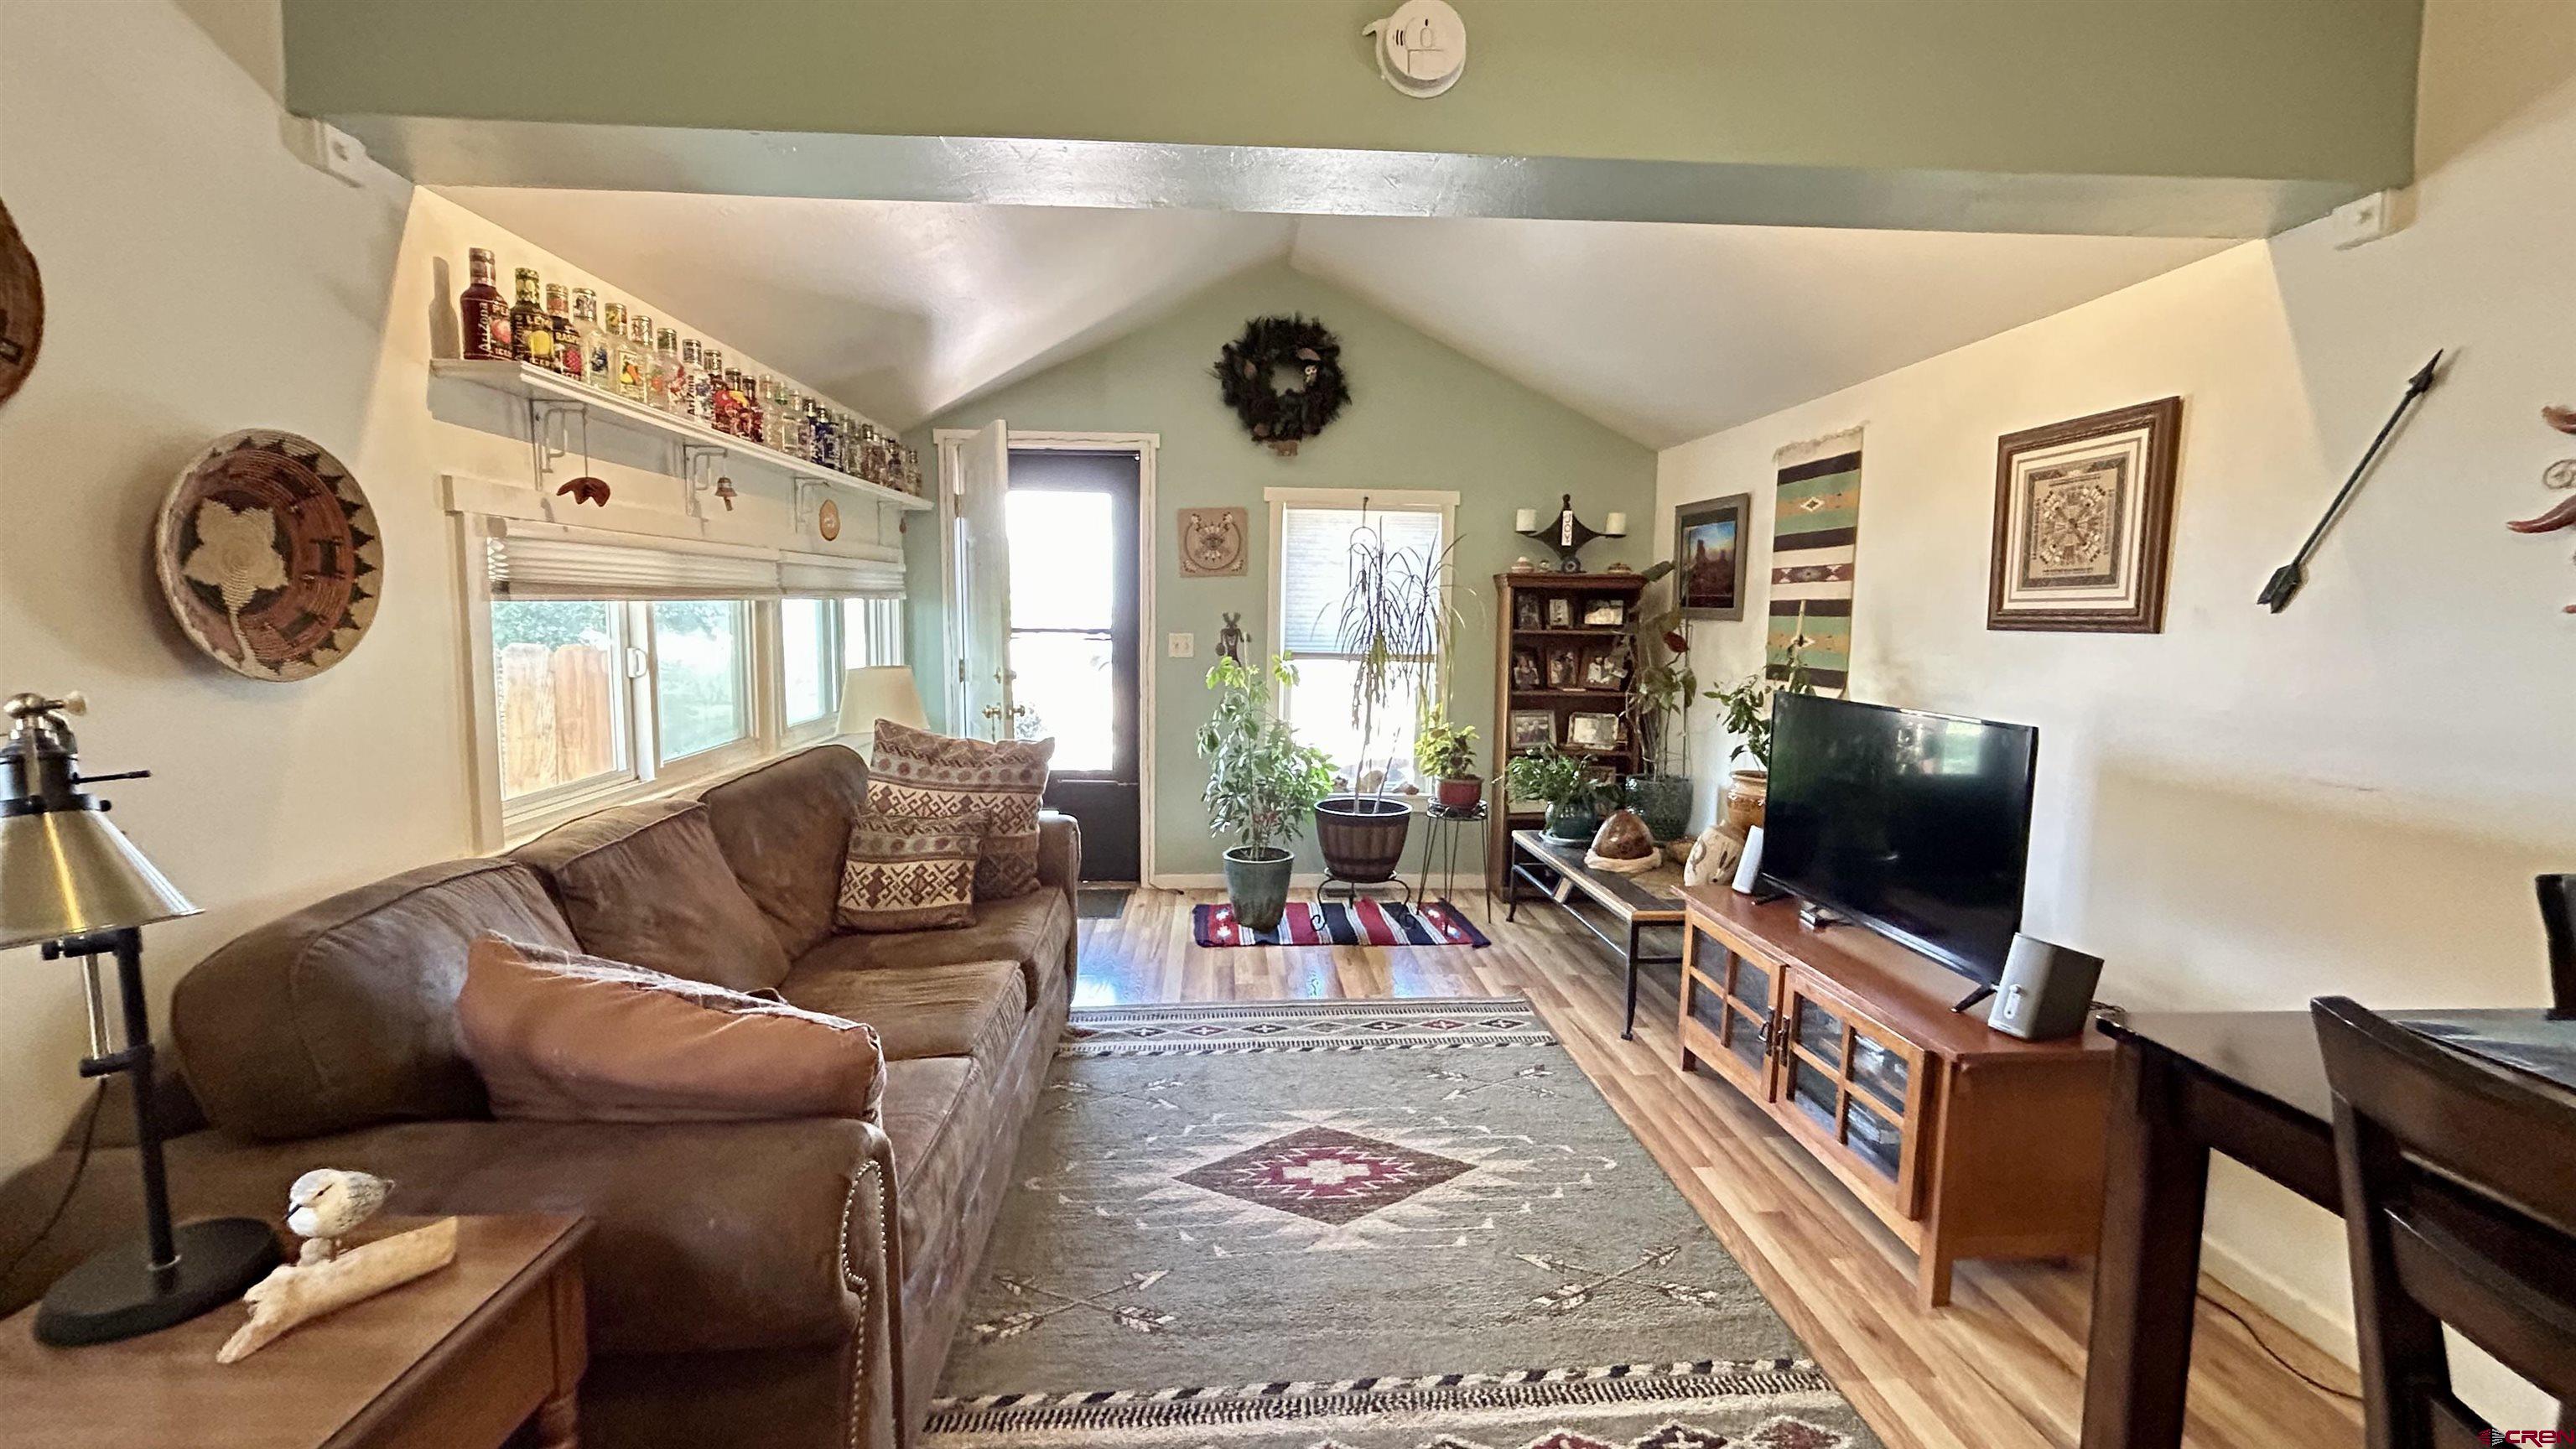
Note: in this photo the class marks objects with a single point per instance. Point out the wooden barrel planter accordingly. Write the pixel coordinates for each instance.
(1362, 836)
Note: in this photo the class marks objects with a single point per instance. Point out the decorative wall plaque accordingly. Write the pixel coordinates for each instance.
(269, 556)
(22, 308)
(2083, 523)
(1213, 541)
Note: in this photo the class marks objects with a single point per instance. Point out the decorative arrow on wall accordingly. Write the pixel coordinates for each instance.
(2290, 577)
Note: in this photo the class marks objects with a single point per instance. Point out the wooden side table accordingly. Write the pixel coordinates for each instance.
(460, 1359)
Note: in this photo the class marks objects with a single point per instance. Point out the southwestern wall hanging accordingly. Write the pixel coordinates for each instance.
(1212, 541)
(2084, 523)
(1247, 373)
(22, 308)
(1815, 538)
(269, 556)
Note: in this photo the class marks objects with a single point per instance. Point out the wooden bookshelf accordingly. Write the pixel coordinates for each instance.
(1531, 595)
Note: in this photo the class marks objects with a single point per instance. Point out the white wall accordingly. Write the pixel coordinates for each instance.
(199, 280)
(2249, 810)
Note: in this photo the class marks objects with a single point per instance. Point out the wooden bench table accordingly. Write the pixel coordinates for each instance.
(1640, 916)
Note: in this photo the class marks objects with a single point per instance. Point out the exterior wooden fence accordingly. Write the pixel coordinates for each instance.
(558, 709)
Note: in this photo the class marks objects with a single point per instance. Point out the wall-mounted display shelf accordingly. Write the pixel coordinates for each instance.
(541, 387)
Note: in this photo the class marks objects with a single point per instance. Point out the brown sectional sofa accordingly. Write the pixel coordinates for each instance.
(788, 1283)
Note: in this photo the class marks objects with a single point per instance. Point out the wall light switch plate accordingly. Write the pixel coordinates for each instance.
(1181, 646)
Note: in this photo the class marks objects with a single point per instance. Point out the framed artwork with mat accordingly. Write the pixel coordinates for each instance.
(2084, 523)
(1709, 550)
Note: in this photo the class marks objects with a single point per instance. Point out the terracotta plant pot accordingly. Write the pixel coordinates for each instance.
(1463, 792)
(1362, 836)
(1748, 792)
(1256, 883)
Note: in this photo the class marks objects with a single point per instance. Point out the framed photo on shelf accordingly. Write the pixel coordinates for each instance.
(1709, 548)
(2084, 523)
(1606, 670)
(1525, 613)
(1525, 670)
(1560, 612)
(1593, 731)
(1532, 729)
(1564, 668)
(1605, 614)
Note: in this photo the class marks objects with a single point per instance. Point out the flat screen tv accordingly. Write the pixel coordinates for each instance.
(1915, 825)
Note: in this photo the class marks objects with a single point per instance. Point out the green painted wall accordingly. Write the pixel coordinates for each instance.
(2282, 89)
(1422, 416)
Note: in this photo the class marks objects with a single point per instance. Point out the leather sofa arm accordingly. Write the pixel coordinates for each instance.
(707, 1236)
(1060, 866)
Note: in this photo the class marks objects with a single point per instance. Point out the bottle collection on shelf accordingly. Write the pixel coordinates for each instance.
(617, 349)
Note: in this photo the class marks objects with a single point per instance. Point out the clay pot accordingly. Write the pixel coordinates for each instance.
(1748, 792)
(1463, 792)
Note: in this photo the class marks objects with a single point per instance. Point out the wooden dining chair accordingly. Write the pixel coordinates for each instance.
(2459, 1193)
(2558, 928)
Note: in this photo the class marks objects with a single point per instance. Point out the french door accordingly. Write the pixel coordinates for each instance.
(1073, 646)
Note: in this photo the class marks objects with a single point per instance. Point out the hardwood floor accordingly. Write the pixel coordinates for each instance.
(2001, 1368)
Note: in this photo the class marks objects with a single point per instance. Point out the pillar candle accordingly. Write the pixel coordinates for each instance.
(1525, 521)
(1617, 527)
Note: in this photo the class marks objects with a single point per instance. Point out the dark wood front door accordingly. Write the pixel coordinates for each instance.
(1074, 644)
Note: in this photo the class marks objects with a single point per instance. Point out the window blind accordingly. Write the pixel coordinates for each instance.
(1315, 567)
(547, 561)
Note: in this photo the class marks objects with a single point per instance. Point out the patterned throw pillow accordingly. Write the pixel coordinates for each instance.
(910, 872)
(914, 772)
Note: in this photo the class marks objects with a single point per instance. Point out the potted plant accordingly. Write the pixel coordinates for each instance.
(1747, 703)
(1260, 785)
(1446, 753)
(1664, 688)
(1576, 794)
(1395, 627)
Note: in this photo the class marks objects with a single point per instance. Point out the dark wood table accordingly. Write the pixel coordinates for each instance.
(1640, 916)
(2250, 1084)
(460, 1359)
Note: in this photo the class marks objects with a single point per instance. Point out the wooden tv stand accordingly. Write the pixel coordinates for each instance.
(1966, 1142)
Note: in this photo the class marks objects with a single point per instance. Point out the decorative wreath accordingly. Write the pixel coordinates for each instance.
(1282, 417)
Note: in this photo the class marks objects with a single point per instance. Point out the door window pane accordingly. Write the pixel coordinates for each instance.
(1063, 560)
(698, 693)
(810, 657)
(1064, 681)
(556, 687)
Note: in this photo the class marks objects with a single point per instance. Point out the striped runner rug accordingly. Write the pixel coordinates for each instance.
(1318, 923)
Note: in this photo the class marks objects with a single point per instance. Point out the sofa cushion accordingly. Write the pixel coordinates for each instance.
(563, 1037)
(344, 1013)
(784, 827)
(1035, 930)
(910, 872)
(968, 1009)
(927, 1104)
(914, 772)
(646, 885)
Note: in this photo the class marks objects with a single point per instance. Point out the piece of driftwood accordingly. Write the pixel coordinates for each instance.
(300, 1293)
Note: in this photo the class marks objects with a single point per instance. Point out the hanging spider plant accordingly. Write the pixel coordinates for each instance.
(1396, 625)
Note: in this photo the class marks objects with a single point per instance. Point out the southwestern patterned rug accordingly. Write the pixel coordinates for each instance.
(1320, 923)
(1358, 1225)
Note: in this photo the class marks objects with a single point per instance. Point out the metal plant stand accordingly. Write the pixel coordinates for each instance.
(1443, 826)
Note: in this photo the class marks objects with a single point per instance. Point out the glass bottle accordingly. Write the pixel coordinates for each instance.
(719, 406)
(667, 391)
(827, 440)
(486, 318)
(532, 336)
(612, 337)
(635, 359)
(596, 355)
(805, 430)
(570, 357)
(693, 380)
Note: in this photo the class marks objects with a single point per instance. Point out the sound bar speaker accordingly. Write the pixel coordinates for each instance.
(2046, 990)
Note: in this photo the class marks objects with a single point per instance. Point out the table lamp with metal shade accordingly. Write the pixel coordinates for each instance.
(71, 883)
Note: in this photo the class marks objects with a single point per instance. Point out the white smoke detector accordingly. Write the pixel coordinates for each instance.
(1421, 48)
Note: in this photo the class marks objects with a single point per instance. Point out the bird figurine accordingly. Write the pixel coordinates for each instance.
(327, 1204)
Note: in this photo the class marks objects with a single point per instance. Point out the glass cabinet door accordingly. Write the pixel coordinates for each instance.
(1728, 998)
(1856, 1087)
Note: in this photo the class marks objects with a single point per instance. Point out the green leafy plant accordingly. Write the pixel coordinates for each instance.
(1261, 783)
(1665, 686)
(1747, 702)
(1396, 625)
(1444, 751)
(1552, 777)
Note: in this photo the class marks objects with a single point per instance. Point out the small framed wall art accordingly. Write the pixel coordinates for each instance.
(2084, 523)
(1593, 731)
(1213, 542)
(1708, 556)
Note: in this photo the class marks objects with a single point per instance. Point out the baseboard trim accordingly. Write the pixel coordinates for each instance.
(1302, 882)
(2330, 1336)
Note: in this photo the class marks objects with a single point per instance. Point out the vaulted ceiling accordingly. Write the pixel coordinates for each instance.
(1661, 331)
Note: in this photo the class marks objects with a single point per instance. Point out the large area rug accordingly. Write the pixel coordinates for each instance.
(1374, 1225)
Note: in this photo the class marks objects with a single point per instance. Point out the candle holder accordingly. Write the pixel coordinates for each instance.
(1568, 534)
